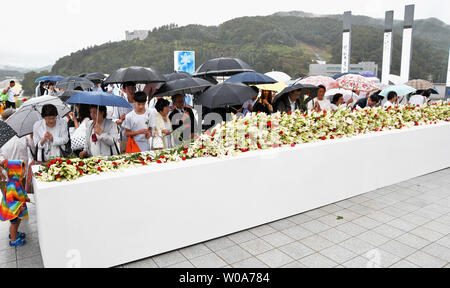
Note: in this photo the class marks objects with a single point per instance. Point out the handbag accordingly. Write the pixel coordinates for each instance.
(78, 139)
(132, 147)
(157, 142)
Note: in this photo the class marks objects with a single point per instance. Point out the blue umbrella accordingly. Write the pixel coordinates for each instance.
(55, 78)
(99, 99)
(368, 74)
(401, 90)
(252, 78)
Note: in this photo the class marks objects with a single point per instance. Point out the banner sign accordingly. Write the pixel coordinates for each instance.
(184, 61)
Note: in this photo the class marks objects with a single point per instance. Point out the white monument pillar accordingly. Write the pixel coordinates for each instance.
(447, 90)
(407, 43)
(388, 45)
(346, 42)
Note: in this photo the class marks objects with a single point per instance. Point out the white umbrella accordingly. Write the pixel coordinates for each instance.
(279, 76)
(30, 112)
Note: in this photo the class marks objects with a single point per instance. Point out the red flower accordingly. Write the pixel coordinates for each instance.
(81, 164)
(184, 158)
(161, 157)
(293, 145)
(332, 137)
(324, 138)
(185, 151)
(269, 124)
(58, 176)
(281, 132)
(69, 162)
(99, 169)
(159, 162)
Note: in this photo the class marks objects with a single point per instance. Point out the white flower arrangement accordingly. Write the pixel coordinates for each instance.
(259, 132)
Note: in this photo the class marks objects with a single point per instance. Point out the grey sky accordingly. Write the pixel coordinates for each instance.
(37, 33)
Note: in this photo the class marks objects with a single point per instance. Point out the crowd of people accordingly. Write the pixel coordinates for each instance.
(151, 124)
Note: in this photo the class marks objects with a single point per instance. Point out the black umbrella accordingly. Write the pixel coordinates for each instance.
(210, 79)
(72, 82)
(6, 133)
(251, 78)
(95, 76)
(177, 75)
(64, 96)
(223, 67)
(183, 86)
(226, 94)
(135, 74)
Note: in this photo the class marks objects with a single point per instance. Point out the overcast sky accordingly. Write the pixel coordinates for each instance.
(36, 33)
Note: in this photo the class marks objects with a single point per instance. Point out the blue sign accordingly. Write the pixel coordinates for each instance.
(184, 61)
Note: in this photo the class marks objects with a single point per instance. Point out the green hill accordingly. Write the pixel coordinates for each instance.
(285, 43)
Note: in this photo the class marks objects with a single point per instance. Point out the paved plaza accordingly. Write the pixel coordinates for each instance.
(406, 225)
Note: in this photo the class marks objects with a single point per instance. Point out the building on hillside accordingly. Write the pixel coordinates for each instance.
(136, 34)
(333, 69)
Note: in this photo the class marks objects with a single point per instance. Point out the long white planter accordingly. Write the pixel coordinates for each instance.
(111, 219)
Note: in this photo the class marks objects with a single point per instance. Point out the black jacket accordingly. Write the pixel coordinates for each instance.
(178, 119)
(283, 105)
(361, 103)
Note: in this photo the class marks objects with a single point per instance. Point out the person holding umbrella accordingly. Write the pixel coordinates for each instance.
(101, 135)
(392, 99)
(182, 114)
(19, 149)
(289, 103)
(264, 103)
(372, 101)
(420, 98)
(119, 114)
(162, 128)
(50, 135)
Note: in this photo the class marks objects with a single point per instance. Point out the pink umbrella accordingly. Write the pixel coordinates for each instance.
(328, 82)
(356, 83)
